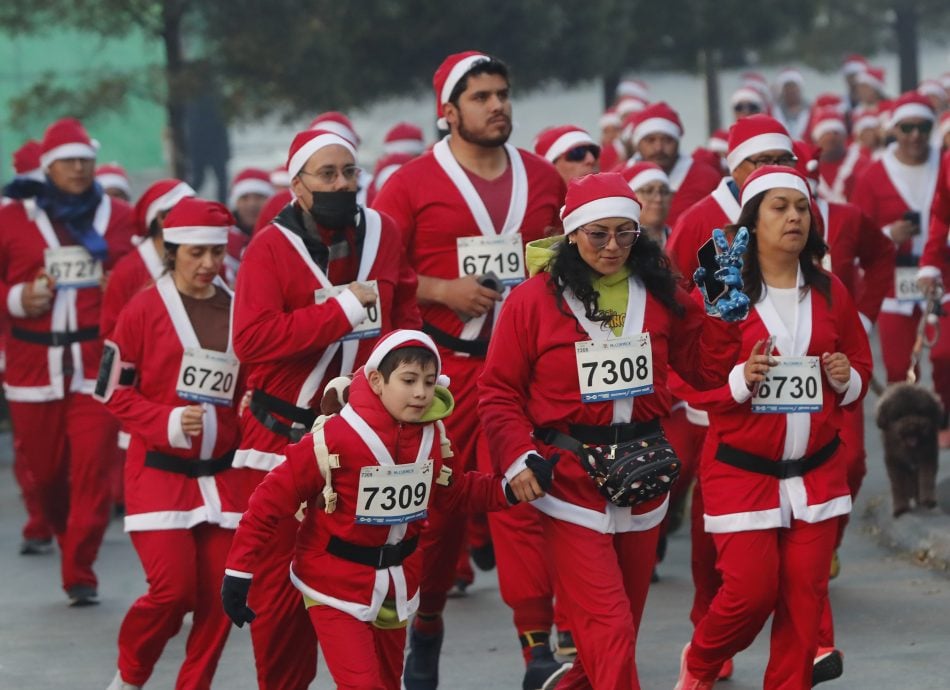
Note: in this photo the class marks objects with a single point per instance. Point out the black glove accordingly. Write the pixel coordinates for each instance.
(543, 473)
(234, 599)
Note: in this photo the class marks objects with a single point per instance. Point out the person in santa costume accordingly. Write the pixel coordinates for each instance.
(773, 473)
(791, 109)
(340, 124)
(851, 67)
(55, 248)
(840, 164)
(613, 152)
(170, 376)
(570, 149)
(317, 288)
(870, 88)
(746, 101)
(651, 184)
(114, 181)
(250, 190)
(655, 137)
(466, 210)
(602, 297)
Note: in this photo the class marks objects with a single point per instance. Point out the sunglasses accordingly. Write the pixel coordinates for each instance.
(601, 238)
(579, 153)
(746, 108)
(922, 127)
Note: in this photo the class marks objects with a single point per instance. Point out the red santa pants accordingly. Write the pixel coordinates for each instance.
(898, 334)
(67, 448)
(706, 579)
(775, 571)
(183, 568)
(360, 656)
(602, 584)
(285, 646)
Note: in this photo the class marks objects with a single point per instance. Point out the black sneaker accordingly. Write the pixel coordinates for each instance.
(422, 662)
(483, 556)
(543, 671)
(829, 664)
(459, 590)
(565, 644)
(36, 547)
(82, 595)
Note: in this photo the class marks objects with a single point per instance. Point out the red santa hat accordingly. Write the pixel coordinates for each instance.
(396, 341)
(829, 100)
(66, 138)
(755, 134)
(404, 137)
(305, 144)
(757, 82)
(658, 118)
(719, 142)
(197, 221)
(627, 105)
(339, 124)
(826, 120)
(554, 142)
(159, 198)
(789, 75)
(865, 118)
(642, 173)
(773, 177)
(610, 118)
(873, 77)
(932, 87)
(911, 105)
(944, 124)
(808, 156)
(597, 196)
(279, 177)
(452, 70)
(634, 87)
(854, 64)
(26, 161)
(113, 176)
(746, 94)
(249, 181)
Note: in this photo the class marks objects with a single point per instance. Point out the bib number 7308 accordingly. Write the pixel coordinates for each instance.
(611, 369)
(793, 385)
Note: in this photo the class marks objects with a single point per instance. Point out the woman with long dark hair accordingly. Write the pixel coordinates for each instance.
(577, 367)
(773, 471)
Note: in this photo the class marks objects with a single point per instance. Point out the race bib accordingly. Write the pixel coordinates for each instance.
(794, 385)
(611, 369)
(502, 255)
(72, 267)
(394, 494)
(371, 326)
(208, 376)
(905, 285)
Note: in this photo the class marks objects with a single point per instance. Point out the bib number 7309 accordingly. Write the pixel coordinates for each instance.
(611, 369)
(793, 385)
(397, 494)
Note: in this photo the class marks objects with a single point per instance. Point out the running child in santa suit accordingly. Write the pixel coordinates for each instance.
(368, 476)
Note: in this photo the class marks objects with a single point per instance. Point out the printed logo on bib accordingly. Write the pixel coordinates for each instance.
(502, 255)
(611, 369)
(793, 385)
(72, 267)
(208, 376)
(905, 285)
(371, 326)
(394, 494)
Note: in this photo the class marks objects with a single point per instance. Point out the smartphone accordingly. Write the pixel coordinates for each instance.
(491, 281)
(913, 217)
(715, 289)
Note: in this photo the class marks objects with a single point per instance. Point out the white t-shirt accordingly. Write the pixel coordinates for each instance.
(785, 301)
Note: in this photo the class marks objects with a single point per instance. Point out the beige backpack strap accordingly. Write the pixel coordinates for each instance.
(444, 442)
(326, 462)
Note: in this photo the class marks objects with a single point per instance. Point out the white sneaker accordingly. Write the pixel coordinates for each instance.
(119, 684)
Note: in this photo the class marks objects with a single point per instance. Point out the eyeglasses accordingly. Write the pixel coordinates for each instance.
(653, 193)
(747, 108)
(328, 174)
(922, 127)
(601, 238)
(579, 153)
(786, 160)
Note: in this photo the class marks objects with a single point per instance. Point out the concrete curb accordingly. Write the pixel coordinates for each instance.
(921, 535)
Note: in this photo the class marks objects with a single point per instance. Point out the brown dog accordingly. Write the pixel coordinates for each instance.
(909, 417)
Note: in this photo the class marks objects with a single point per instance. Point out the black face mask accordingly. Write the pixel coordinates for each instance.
(334, 210)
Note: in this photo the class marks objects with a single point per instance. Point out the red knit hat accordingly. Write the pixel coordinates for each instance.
(773, 177)
(338, 123)
(826, 120)
(158, 198)
(305, 144)
(452, 70)
(26, 161)
(113, 175)
(643, 173)
(658, 118)
(755, 134)
(66, 138)
(637, 88)
(404, 338)
(554, 142)
(249, 181)
(404, 137)
(911, 105)
(197, 221)
(597, 196)
(873, 77)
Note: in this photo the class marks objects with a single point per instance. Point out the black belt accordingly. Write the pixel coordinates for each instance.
(190, 468)
(55, 338)
(475, 348)
(782, 469)
(264, 406)
(580, 435)
(378, 557)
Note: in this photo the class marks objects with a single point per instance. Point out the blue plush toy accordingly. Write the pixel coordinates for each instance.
(734, 304)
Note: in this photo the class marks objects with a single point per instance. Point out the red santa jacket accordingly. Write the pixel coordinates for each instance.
(434, 203)
(695, 226)
(287, 343)
(530, 381)
(739, 500)
(151, 335)
(935, 260)
(691, 179)
(35, 371)
(837, 178)
(364, 434)
(132, 273)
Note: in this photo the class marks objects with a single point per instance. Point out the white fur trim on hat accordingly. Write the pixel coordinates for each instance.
(655, 125)
(339, 129)
(167, 201)
(774, 180)
(607, 207)
(910, 110)
(869, 121)
(790, 76)
(647, 176)
(718, 145)
(460, 69)
(770, 141)
(249, 186)
(828, 125)
(747, 94)
(932, 87)
(35, 174)
(611, 119)
(303, 154)
(865, 77)
(114, 181)
(393, 341)
(71, 150)
(196, 234)
(853, 67)
(566, 142)
(411, 146)
(279, 178)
